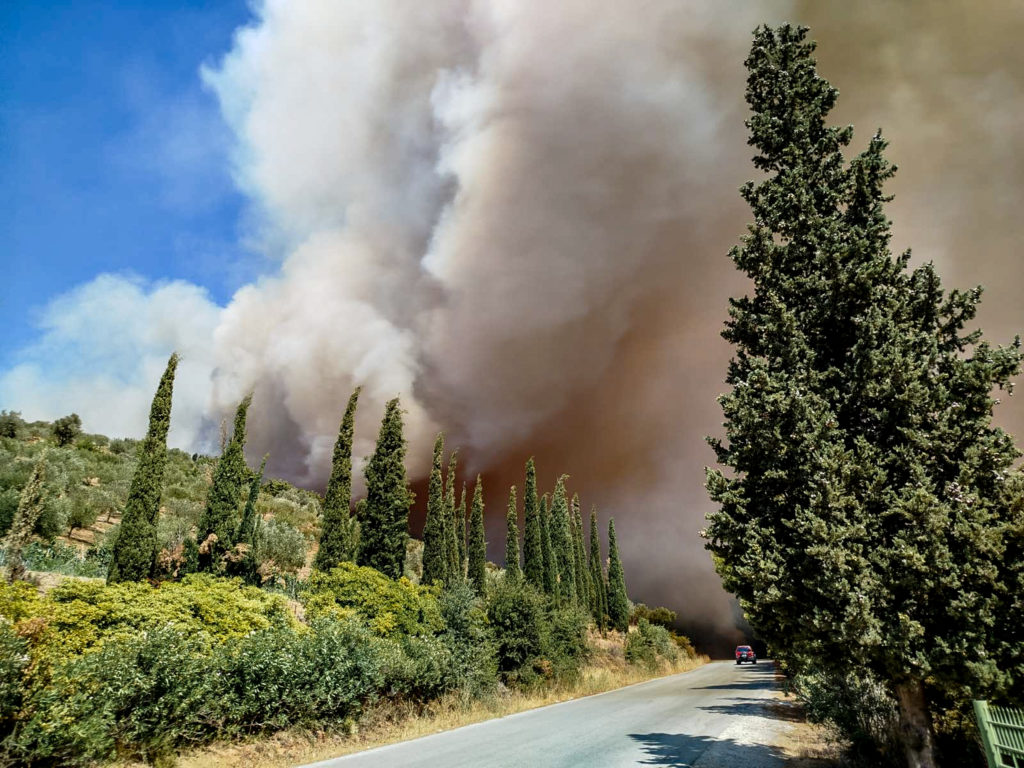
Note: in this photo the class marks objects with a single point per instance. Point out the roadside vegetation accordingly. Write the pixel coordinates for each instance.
(870, 516)
(188, 600)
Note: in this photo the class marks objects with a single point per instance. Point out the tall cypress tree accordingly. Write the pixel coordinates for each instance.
(435, 546)
(550, 564)
(219, 521)
(512, 570)
(384, 526)
(618, 602)
(451, 547)
(561, 544)
(865, 480)
(337, 532)
(246, 566)
(599, 600)
(533, 555)
(477, 544)
(460, 534)
(134, 552)
(579, 559)
(30, 507)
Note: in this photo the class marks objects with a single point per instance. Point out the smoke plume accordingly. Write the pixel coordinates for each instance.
(516, 215)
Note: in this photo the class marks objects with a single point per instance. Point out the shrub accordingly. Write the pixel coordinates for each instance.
(517, 612)
(10, 423)
(63, 558)
(649, 644)
(18, 601)
(13, 660)
(468, 638)
(282, 543)
(390, 607)
(566, 647)
(660, 616)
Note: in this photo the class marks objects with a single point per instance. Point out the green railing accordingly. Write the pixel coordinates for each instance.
(1002, 734)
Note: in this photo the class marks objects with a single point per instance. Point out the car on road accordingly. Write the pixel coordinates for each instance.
(745, 653)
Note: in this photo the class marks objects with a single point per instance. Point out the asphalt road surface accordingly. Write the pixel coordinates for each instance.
(718, 716)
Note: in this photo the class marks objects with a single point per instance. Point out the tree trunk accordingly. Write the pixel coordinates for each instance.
(915, 725)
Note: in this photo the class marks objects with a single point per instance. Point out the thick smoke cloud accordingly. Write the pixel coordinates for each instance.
(516, 215)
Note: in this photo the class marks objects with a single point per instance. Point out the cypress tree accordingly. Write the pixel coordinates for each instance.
(599, 600)
(533, 555)
(247, 565)
(435, 552)
(30, 507)
(460, 534)
(550, 565)
(384, 525)
(477, 544)
(579, 561)
(866, 481)
(561, 544)
(618, 602)
(451, 547)
(134, 552)
(337, 532)
(512, 570)
(218, 524)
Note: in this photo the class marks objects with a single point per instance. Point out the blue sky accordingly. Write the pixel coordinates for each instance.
(113, 156)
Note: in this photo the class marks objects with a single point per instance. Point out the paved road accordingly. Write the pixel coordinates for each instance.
(717, 716)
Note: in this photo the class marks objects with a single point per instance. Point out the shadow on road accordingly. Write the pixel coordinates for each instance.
(760, 677)
(770, 708)
(678, 750)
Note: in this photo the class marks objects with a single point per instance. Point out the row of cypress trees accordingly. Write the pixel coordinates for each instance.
(555, 559)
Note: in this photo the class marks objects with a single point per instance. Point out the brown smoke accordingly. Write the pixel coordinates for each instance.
(517, 214)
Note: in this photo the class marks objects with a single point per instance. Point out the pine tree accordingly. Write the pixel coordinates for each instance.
(337, 532)
(30, 507)
(435, 551)
(599, 600)
(384, 525)
(219, 521)
(477, 544)
(618, 602)
(134, 552)
(512, 570)
(864, 502)
(460, 534)
(579, 561)
(533, 556)
(561, 544)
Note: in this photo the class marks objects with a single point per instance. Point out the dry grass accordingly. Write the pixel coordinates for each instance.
(392, 723)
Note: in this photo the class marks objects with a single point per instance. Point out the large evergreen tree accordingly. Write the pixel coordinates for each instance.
(512, 570)
(550, 564)
(599, 600)
(477, 545)
(134, 552)
(561, 544)
(435, 545)
(865, 500)
(338, 529)
(30, 507)
(244, 562)
(220, 519)
(533, 556)
(384, 525)
(451, 547)
(460, 535)
(618, 602)
(579, 559)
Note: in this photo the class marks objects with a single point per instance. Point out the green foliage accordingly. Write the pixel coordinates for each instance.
(384, 524)
(435, 560)
(562, 556)
(18, 600)
(468, 638)
(618, 602)
(390, 607)
(546, 550)
(11, 424)
(865, 503)
(599, 600)
(650, 644)
(13, 661)
(512, 570)
(451, 548)
(579, 558)
(460, 536)
(339, 536)
(30, 507)
(66, 429)
(663, 617)
(517, 612)
(134, 551)
(64, 558)
(219, 522)
(533, 554)
(477, 544)
(247, 528)
(282, 544)
(566, 646)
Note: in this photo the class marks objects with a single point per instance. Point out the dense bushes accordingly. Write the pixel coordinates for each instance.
(649, 644)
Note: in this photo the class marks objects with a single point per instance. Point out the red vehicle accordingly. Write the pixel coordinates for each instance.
(745, 653)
